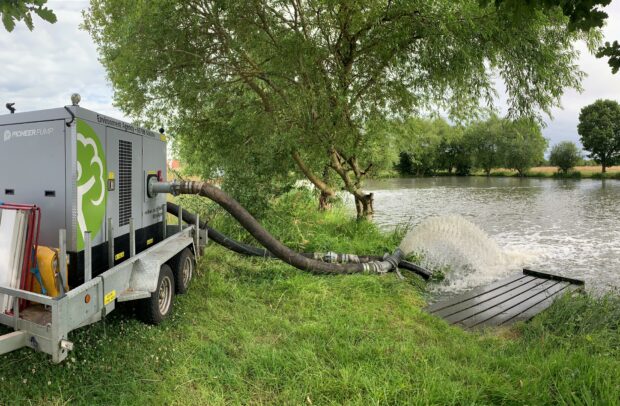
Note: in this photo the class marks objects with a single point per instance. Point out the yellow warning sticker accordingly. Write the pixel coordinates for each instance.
(149, 241)
(120, 255)
(109, 297)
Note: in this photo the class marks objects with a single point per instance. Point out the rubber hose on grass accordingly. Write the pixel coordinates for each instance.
(250, 250)
(278, 249)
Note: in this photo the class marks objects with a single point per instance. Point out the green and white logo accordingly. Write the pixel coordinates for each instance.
(91, 185)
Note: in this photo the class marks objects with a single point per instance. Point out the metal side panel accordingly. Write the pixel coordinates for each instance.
(140, 273)
(154, 160)
(146, 273)
(83, 305)
(32, 171)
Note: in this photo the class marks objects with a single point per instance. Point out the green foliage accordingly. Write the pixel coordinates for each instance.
(424, 143)
(485, 141)
(611, 50)
(405, 163)
(565, 155)
(311, 77)
(430, 145)
(599, 128)
(453, 153)
(607, 175)
(569, 175)
(523, 145)
(12, 11)
(583, 14)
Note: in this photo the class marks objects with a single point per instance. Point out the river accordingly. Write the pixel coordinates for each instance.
(568, 227)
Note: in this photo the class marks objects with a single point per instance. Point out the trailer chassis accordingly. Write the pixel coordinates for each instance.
(45, 326)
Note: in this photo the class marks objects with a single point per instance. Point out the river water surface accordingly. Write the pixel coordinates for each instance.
(568, 227)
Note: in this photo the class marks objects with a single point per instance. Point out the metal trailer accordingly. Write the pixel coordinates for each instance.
(89, 174)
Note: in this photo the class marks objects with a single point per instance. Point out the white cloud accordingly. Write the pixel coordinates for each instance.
(41, 69)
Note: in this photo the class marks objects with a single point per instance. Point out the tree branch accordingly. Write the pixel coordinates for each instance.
(316, 181)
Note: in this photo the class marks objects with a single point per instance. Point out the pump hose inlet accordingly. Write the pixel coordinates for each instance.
(275, 248)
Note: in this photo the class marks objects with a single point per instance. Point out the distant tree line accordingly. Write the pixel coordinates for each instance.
(428, 146)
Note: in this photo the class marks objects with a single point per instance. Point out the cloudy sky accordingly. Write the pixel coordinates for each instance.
(42, 68)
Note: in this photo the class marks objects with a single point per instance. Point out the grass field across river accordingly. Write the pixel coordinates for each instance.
(550, 171)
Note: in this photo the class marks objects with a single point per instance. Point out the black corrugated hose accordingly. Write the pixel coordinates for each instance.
(312, 262)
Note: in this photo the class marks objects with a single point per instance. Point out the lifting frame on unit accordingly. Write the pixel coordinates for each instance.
(46, 324)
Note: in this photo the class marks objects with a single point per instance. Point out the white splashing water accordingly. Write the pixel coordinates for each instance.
(470, 255)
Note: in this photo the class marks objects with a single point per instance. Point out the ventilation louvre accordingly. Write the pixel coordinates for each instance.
(124, 182)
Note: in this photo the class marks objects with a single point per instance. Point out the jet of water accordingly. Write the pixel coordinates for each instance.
(457, 245)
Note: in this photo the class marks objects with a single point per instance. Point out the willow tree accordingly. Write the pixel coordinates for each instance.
(314, 73)
(523, 145)
(485, 139)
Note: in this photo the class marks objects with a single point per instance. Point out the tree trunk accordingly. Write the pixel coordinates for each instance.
(324, 202)
(604, 166)
(327, 193)
(325, 198)
(342, 166)
(364, 206)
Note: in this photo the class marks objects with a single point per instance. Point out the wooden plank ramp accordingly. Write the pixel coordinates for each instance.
(517, 298)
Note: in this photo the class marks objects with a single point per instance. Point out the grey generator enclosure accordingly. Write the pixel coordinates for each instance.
(81, 227)
(87, 172)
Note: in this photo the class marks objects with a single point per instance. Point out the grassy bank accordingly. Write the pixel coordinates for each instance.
(579, 172)
(254, 331)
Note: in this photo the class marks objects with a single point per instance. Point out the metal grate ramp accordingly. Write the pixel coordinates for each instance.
(504, 302)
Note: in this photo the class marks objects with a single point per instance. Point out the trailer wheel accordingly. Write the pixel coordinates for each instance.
(184, 266)
(156, 308)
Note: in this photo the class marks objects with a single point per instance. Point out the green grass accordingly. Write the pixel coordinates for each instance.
(255, 331)
(608, 175)
(578, 172)
(568, 175)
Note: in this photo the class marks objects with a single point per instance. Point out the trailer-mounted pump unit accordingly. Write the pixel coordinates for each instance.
(88, 174)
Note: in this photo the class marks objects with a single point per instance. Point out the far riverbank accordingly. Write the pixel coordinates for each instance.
(579, 172)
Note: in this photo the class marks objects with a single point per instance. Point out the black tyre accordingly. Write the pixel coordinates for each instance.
(184, 265)
(155, 309)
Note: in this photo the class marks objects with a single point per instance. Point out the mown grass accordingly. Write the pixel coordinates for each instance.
(254, 331)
